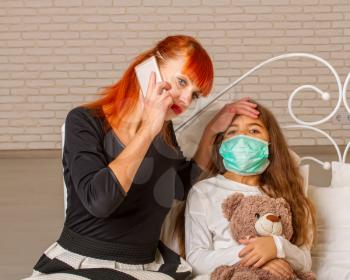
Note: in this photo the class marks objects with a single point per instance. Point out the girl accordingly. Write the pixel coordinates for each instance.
(123, 168)
(251, 157)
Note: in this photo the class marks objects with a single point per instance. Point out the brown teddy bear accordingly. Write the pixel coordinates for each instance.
(252, 216)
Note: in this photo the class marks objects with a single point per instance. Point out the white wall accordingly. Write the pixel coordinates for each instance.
(57, 54)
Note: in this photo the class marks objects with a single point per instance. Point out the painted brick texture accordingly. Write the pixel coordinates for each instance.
(57, 54)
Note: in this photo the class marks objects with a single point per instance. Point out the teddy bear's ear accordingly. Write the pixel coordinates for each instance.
(282, 202)
(230, 204)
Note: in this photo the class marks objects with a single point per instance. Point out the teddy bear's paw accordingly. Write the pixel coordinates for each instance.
(223, 272)
(306, 275)
(264, 275)
(244, 275)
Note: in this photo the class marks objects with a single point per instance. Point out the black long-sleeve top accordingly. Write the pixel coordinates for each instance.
(97, 205)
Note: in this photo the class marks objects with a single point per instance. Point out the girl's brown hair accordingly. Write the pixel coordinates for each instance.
(120, 99)
(282, 179)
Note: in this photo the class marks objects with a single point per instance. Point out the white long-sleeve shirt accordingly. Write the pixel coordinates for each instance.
(208, 239)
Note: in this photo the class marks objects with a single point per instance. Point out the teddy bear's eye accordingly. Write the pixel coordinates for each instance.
(257, 215)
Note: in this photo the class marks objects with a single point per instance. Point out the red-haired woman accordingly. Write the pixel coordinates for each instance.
(123, 168)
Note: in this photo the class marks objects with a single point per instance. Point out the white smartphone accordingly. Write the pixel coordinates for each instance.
(143, 73)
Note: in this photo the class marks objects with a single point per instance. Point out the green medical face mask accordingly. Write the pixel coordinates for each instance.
(245, 155)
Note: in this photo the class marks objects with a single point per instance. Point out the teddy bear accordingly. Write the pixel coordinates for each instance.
(258, 215)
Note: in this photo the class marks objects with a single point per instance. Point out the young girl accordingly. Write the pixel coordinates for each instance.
(250, 157)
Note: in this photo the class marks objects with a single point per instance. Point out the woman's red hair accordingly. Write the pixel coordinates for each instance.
(120, 99)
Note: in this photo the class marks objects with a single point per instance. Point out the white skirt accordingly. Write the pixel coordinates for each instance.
(58, 263)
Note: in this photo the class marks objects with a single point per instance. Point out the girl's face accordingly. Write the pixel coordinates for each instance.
(242, 124)
(183, 90)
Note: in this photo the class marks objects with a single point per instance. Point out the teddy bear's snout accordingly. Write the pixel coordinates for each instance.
(273, 218)
(268, 224)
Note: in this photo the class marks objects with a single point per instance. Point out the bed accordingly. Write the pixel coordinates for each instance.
(331, 254)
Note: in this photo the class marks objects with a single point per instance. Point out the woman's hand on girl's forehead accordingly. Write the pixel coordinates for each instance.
(224, 117)
(243, 107)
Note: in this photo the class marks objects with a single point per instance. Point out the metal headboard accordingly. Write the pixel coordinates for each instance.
(299, 123)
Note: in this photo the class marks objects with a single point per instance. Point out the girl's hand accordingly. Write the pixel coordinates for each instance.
(224, 117)
(259, 251)
(279, 267)
(156, 104)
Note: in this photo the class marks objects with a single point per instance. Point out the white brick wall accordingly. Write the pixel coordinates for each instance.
(57, 54)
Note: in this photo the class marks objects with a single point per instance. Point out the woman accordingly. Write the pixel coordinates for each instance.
(251, 157)
(123, 168)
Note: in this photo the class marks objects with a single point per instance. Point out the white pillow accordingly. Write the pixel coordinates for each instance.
(331, 254)
(340, 174)
(304, 172)
(189, 137)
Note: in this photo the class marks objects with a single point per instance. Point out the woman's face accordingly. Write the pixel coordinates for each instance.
(183, 90)
(247, 126)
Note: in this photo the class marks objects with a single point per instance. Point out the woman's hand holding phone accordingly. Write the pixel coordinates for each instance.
(156, 104)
